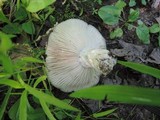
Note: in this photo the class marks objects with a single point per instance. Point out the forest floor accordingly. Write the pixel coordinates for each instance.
(128, 47)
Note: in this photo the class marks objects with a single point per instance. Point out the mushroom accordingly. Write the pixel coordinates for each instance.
(76, 56)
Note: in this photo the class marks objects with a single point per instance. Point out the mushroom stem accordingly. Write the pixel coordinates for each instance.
(99, 59)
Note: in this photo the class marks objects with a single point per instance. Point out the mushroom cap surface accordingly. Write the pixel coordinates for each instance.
(67, 67)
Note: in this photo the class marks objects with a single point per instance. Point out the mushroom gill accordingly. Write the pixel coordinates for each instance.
(76, 56)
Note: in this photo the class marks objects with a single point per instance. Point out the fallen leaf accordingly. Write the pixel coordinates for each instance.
(154, 57)
(130, 52)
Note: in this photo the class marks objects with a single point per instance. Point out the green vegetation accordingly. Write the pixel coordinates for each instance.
(113, 15)
(23, 78)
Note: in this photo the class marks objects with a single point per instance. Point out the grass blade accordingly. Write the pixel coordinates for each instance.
(104, 113)
(46, 97)
(42, 78)
(49, 99)
(142, 68)
(123, 94)
(11, 83)
(23, 106)
(4, 103)
(46, 110)
(31, 59)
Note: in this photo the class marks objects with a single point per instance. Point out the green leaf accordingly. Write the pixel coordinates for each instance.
(140, 22)
(7, 63)
(132, 3)
(104, 113)
(14, 28)
(116, 33)
(78, 117)
(4, 103)
(20, 14)
(144, 2)
(36, 114)
(49, 99)
(120, 4)
(142, 32)
(134, 15)
(52, 20)
(31, 59)
(3, 18)
(109, 14)
(36, 5)
(5, 42)
(122, 94)
(10, 83)
(40, 79)
(154, 28)
(142, 68)
(4, 75)
(23, 106)
(46, 97)
(14, 111)
(130, 26)
(46, 110)
(28, 27)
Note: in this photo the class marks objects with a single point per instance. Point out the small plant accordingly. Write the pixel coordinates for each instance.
(113, 14)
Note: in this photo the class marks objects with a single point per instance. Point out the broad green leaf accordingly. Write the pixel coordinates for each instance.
(28, 27)
(40, 79)
(14, 111)
(3, 18)
(23, 106)
(10, 83)
(130, 26)
(31, 59)
(36, 114)
(25, 2)
(14, 28)
(116, 33)
(5, 42)
(122, 94)
(120, 4)
(36, 5)
(154, 28)
(134, 15)
(46, 110)
(104, 113)
(140, 22)
(52, 20)
(4, 103)
(132, 3)
(20, 14)
(109, 14)
(142, 32)
(6, 63)
(143, 2)
(142, 68)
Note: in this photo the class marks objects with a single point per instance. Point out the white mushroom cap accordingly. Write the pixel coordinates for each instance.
(76, 53)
